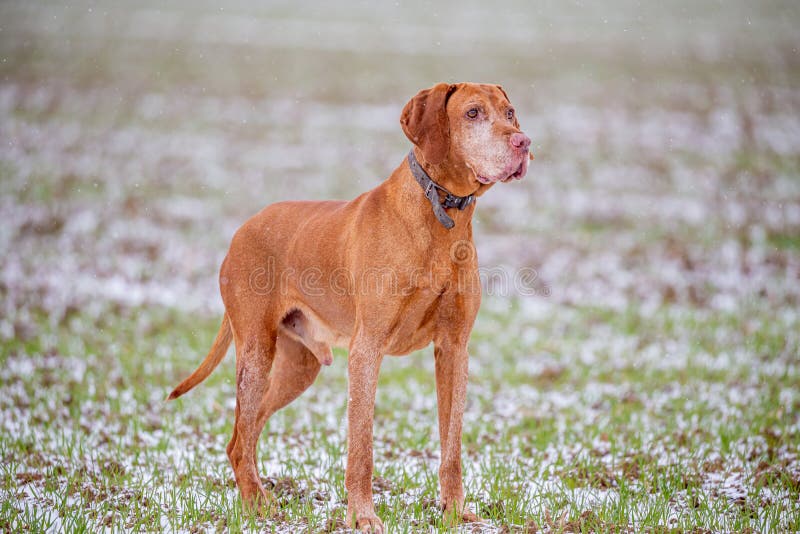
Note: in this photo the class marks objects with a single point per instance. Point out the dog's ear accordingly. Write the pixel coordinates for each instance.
(425, 123)
(516, 122)
(504, 92)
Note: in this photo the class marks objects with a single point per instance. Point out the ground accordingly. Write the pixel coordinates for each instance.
(635, 362)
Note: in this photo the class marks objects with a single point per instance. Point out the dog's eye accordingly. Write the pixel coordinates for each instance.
(473, 113)
(510, 114)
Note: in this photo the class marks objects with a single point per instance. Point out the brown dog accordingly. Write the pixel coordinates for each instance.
(386, 273)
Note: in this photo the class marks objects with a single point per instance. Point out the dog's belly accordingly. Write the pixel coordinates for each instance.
(322, 331)
(407, 342)
(412, 328)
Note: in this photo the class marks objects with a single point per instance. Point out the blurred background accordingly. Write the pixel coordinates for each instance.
(138, 136)
(662, 215)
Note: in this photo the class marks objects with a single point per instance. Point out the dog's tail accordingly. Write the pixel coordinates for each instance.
(215, 355)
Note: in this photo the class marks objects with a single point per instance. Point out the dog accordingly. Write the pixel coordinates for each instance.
(386, 273)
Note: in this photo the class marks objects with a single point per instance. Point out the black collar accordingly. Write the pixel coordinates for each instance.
(432, 189)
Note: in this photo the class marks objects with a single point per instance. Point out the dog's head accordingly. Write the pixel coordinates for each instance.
(468, 125)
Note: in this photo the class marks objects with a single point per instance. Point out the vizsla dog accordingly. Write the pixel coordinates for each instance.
(387, 273)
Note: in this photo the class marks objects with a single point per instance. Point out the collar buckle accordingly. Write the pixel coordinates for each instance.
(429, 188)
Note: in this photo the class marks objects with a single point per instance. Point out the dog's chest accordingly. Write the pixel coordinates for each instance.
(438, 296)
(415, 325)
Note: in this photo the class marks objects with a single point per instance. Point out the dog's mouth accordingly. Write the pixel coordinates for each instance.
(517, 174)
(514, 173)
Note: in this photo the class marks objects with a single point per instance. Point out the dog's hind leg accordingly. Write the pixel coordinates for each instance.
(264, 385)
(254, 356)
(294, 370)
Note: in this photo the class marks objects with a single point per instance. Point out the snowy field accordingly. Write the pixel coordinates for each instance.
(650, 382)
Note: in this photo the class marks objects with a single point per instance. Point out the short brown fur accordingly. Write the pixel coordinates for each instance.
(379, 275)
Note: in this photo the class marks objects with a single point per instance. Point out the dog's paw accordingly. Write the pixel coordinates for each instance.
(263, 504)
(469, 517)
(368, 522)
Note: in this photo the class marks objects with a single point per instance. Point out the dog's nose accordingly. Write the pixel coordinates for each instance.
(520, 140)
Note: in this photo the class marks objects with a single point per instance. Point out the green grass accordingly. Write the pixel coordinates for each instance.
(628, 448)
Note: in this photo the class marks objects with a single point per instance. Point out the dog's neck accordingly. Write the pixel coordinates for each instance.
(455, 177)
(407, 201)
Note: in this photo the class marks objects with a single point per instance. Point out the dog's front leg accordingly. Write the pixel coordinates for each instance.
(451, 390)
(362, 366)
